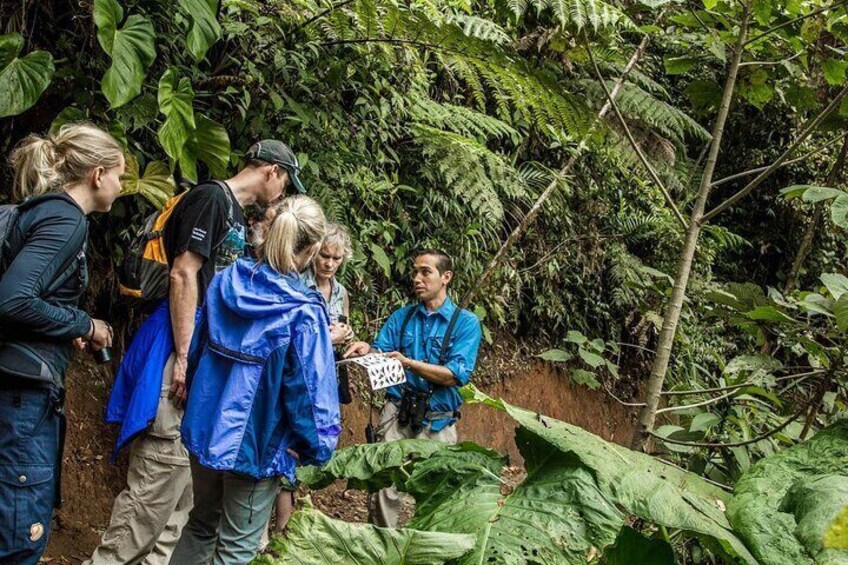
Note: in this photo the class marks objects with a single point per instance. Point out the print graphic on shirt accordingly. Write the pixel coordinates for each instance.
(198, 234)
(231, 248)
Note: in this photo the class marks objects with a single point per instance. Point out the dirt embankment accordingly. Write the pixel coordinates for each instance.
(90, 482)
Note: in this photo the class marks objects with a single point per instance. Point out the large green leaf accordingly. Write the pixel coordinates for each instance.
(313, 538)
(176, 97)
(556, 515)
(819, 193)
(132, 49)
(784, 503)
(157, 184)
(22, 79)
(836, 284)
(642, 486)
(204, 29)
(373, 466)
(839, 211)
(209, 143)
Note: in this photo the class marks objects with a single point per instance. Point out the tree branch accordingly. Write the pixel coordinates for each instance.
(735, 387)
(819, 149)
(323, 13)
(764, 435)
(696, 404)
(774, 166)
(537, 206)
(651, 172)
(771, 30)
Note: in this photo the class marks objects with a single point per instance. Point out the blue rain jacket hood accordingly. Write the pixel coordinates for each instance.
(261, 375)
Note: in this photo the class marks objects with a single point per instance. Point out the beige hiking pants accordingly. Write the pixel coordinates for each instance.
(148, 515)
(386, 503)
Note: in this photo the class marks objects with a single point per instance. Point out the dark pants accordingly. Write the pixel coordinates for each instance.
(30, 427)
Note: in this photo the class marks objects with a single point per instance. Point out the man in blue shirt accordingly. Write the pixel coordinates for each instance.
(415, 336)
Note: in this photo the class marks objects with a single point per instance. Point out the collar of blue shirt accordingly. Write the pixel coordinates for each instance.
(445, 311)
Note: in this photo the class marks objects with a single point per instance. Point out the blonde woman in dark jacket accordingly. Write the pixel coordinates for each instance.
(43, 273)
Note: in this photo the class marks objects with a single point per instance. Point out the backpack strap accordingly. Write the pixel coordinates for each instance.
(403, 326)
(443, 354)
(228, 191)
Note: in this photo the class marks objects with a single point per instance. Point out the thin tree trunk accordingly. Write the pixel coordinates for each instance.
(519, 230)
(810, 232)
(647, 414)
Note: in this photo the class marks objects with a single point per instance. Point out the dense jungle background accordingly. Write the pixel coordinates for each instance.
(645, 204)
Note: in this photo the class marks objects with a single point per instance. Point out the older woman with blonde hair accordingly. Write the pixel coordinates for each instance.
(43, 272)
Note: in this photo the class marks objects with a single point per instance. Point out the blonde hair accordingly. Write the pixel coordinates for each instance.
(54, 162)
(338, 235)
(299, 223)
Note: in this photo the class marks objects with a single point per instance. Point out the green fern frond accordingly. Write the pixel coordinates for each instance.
(479, 28)
(470, 170)
(641, 106)
(578, 14)
(459, 119)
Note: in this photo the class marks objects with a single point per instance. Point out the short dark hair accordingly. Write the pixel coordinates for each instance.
(444, 262)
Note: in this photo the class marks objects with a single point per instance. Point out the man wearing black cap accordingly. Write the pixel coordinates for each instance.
(205, 233)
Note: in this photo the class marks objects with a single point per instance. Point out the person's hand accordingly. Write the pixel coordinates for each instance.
(357, 349)
(404, 361)
(101, 335)
(340, 333)
(293, 453)
(178, 379)
(79, 343)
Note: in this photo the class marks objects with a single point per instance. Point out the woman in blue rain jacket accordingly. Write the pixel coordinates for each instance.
(262, 389)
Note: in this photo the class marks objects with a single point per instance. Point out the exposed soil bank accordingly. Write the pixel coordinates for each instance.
(90, 483)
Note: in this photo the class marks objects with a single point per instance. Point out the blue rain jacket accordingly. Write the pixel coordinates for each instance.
(261, 375)
(135, 394)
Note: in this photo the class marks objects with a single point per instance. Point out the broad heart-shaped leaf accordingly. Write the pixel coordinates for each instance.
(819, 193)
(558, 355)
(836, 284)
(131, 47)
(204, 29)
(778, 507)
(839, 211)
(68, 115)
(631, 548)
(313, 538)
(372, 466)
(556, 515)
(642, 486)
(209, 143)
(176, 97)
(22, 79)
(157, 185)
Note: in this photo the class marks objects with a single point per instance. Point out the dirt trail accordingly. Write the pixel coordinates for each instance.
(90, 482)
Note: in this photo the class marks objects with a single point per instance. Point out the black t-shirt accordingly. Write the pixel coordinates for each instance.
(208, 221)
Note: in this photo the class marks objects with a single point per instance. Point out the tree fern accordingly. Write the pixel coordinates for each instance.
(480, 28)
(639, 105)
(468, 169)
(577, 14)
(460, 119)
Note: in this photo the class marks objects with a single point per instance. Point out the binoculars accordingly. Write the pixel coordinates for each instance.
(413, 408)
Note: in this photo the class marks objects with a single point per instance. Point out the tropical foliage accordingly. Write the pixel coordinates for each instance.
(607, 176)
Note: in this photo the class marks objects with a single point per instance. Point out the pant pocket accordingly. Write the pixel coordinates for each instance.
(27, 494)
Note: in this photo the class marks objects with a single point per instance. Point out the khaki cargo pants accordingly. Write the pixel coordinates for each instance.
(148, 516)
(385, 504)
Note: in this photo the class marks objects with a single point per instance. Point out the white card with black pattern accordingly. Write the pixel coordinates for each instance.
(382, 371)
